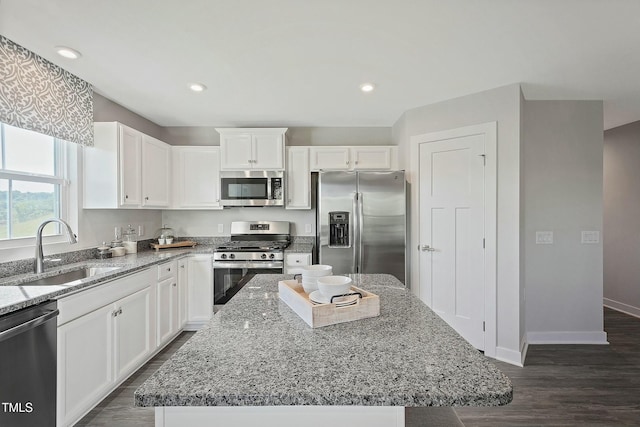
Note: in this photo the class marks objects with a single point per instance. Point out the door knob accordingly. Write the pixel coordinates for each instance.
(426, 248)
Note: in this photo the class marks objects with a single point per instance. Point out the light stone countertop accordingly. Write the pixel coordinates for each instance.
(14, 297)
(256, 351)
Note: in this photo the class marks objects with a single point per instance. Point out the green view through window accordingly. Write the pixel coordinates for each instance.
(31, 182)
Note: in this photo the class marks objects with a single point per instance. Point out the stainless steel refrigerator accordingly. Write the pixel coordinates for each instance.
(361, 221)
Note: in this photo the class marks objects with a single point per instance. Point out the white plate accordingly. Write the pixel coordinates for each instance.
(318, 298)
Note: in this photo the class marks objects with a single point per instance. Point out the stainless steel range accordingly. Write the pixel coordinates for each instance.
(256, 247)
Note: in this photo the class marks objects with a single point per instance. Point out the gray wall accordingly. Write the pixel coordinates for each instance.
(562, 192)
(622, 218)
(105, 110)
(295, 136)
(97, 225)
(500, 105)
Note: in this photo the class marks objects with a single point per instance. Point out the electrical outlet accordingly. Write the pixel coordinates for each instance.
(307, 228)
(544, 237)
(220, 228)
(141, 230)
(590, 237)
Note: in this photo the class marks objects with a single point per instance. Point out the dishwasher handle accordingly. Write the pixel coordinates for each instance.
(11, 332)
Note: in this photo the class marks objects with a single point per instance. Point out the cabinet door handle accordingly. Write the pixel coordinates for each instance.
(182, 266)
(169, 269)
(146, 198)
(126, 196)
(173, 284)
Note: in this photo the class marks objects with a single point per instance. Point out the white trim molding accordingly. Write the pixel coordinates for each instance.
(490, 132)
(568, 337)
(509, 356)
(622, 307)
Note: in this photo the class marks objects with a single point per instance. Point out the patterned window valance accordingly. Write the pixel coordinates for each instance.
(37, 95)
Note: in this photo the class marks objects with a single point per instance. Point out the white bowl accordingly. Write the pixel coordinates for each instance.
(309, 286)
(334, 285)
(316, 270)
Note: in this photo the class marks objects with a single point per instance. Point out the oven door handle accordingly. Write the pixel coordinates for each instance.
(236, 264)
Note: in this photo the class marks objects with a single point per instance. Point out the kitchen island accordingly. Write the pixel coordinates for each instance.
(257, 362)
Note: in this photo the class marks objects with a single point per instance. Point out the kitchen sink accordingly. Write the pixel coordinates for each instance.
(70, 276)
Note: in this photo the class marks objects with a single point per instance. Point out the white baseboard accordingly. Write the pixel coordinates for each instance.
(524, 347)
(509, 356)
(568, 337)
(622, 307)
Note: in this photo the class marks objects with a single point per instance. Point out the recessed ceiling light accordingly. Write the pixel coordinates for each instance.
(67, 52)
(197, 87)
(367, 87)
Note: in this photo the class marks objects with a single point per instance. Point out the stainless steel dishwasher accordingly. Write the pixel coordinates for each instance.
(28, 366)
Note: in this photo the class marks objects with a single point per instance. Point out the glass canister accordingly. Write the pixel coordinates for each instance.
(130, 240)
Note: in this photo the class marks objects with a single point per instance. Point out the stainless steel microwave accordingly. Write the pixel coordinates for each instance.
(252, 188)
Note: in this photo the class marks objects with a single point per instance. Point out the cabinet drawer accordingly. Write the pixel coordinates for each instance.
(168, 269)
(86, 301)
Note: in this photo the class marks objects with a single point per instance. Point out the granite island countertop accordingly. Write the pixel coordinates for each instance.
(257, 352)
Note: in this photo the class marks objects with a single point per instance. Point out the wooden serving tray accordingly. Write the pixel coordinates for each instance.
(183, 244)
(318, 315)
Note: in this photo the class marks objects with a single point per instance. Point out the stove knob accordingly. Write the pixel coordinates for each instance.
(272, 256)
(263, 256)
(223, 256)
(231, 256)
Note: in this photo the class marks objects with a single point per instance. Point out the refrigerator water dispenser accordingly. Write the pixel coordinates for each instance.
(339, 230)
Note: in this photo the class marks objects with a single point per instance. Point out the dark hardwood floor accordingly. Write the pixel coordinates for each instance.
(573, 385)
(560, 385)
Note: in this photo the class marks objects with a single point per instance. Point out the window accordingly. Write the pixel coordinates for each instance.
(32, 182)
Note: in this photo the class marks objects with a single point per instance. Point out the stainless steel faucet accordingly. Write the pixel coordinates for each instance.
(38, 265)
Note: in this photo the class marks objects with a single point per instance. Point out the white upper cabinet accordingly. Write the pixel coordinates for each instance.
(354, 158)
(373, 157)
(252, 148)
(298, 185)
(196, 177)
(125, 169)
(129, 153)
(336, 158)
(156, 170)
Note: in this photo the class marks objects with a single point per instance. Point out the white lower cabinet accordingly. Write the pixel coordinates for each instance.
(167, 294)
(85, 348)
(183, 276)
(199, 291)
(104, 334)
(132, 332)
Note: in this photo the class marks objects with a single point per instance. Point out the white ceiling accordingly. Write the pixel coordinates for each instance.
(300, 62)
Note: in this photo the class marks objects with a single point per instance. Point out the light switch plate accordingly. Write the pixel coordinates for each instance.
(544, 237)
(220, 228)
(590, 237)
(307, 228)
(141, 230)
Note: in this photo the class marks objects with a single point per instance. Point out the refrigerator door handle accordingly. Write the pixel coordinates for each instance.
(354, 233)
(360, 232)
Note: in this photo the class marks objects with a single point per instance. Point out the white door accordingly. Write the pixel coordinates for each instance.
(451, 246)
